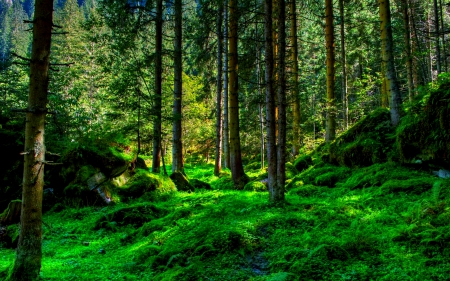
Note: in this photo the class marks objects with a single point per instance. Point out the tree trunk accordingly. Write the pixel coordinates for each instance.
(296, 110)
(436, 28)
(409, 69)
(177, 146)
(218, 160)
(29, 250)
(237, 170)
(444, 51)
(226, 129)
(277, 194)
(157, 110)
(344, 66)
(388, 56)
(330, 133)
(270, 99)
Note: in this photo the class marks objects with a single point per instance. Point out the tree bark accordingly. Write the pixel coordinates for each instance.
(237, 170)
(29, 251)
(344, 65)
(436, 28)
(226, 129)
(409, 62)
(296, 110)
(157, 110)
(330, 133)
(270, 99)
(218, 160)
(177, 145)
(277, 194)
(388, 57)
(444, 49)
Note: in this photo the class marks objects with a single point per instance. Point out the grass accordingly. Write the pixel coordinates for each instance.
(361, 229)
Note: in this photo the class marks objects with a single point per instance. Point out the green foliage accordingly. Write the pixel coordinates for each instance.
(144, 181)
(257, 186)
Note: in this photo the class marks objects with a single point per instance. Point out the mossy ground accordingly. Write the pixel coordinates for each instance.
(374, 224)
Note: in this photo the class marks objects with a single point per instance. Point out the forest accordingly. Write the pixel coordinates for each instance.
(224, 140)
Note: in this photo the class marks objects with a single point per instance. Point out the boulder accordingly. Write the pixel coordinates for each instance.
(198, 184)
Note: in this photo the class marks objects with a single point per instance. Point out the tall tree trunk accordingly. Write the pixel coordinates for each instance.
(29, 251)
(258, 79)
(218, 160)
(157, 110)
(277, 194)
(444, 49)
(296, 110)
(436, 28)
(177, 145)
(409, 69)
(237, 170)
(388, 56)
(270, 99)
(226, 129)
(344, 65)
(330, 128)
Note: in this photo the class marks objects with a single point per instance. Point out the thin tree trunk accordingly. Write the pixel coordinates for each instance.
(270, 99)
(29, 251)
(344, 65)
(409, 69)
(444, 51)
(260, 107)
(278, 194)
(237, 170)
(218, 160)
(388, 57)
(139, 122)
(158, 91)
(330, 133)
(177, 146)
(226, 130)
(436, 28)
(296, 110)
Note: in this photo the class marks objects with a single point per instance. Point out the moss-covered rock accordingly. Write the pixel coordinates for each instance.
(303, 162)
(368, 142)
(256, 185)
(181, 182)
(198, 184)
(425, 132)
(142, 182)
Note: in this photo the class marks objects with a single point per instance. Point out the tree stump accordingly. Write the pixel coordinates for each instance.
(12, 214)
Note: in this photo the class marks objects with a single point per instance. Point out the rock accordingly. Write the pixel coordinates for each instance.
(181, 182)
(444, 174)
(200, 184)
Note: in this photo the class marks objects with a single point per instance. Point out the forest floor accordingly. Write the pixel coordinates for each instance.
(383, 222)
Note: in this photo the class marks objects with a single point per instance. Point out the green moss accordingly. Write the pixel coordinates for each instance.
(416, 185)
(257, 186)
(144, 181)
(303, 162)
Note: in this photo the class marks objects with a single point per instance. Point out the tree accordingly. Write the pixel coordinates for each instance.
(226, 131)
(237, 170)
(219, 129)
(296, 132)
(331, 96)
(177, 147)
(408, 54)
(157, 109)
(29, 250)
(343, 65)
(387, 56)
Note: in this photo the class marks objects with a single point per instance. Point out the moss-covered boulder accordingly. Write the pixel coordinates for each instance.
(424, 134)
(258, 186)
(11, 215)
(198, 184)
(181, 182)
(143, 182)
(303, 162)
(368, 142)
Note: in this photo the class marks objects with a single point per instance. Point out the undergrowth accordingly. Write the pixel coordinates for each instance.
(382, 222)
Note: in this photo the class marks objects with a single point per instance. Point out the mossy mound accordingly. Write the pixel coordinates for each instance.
(142, 182)
(425, 133)
(256, 185)
(198, 184)
(303, 162)
(368, 142)
(9, 236)
(328, 175)
(136, 216)
(181, 182)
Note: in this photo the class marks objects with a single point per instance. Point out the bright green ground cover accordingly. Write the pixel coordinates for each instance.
(374, 224)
